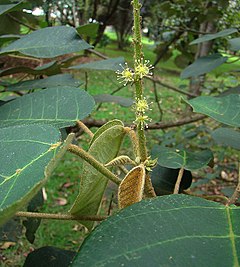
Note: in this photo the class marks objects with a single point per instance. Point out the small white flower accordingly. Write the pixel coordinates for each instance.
(126, 75)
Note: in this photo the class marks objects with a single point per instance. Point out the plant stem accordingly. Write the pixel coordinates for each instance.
(96, 164)
(59, 216)
(85, 128)
(233, 199)
(138, 56)
(179, 179)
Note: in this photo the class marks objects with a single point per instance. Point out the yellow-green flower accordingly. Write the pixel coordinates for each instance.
(126, 76)
(142, 105)
(143, 68)
(142, 121)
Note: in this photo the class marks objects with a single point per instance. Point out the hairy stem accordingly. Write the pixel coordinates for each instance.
(59, 216)
(96, 164)
(233, 199)
(85, 128)
(138, 56)
(179, 179)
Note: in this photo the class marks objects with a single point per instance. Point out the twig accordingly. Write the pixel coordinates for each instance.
(233, 199)
(21, 22)
(151, 126)
(85, 128)
(179, 179)
(60, 216)
(94, 163)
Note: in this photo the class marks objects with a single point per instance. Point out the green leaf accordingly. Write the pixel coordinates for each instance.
(208, 37)
(223, 109)
(50, 68)
(88, 30)
(203, 65)
(59, 106)
(227, 137)
(234, 44)
(29, 153)
(105, 127)
(174, 158)
(175, 230)
(106, 98)
(93, 183)
(52, 81)
(106, 64)
(8, 8)
(48, 42)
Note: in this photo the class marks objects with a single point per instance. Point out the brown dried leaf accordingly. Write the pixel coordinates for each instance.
(131, 188)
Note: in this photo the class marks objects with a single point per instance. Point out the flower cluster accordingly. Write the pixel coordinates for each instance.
(141, 106)
(142, 69)
(142, 121)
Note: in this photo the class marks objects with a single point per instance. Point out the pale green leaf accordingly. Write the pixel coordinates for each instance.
(234, 44)
(8, 7)
(92, 185)
(175, 230)
(106, 64)
(224, 109)
(203, 65)
(48, 42)
(208, 37)
(106, 98)
(227, 137)
(28, 155)
(59, 106)
(52, 81)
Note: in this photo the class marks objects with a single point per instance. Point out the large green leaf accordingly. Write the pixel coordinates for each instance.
(227, 137)
(203, 65)
(106, 64)
(59, 106)
(8, 8)
(48, 42)
(174, 158)
(52, 81)
(92, 186)
(105, 98)
(208, 37)
(28, 155)
(175, 230)
(223, 109)
(234, 44)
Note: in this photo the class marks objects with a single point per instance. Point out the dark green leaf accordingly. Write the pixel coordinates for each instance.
(227, 137)
(105, 98)
(106, 64)
(52, 81)
(49, 257)
(29, 153)
(203, 65)
(88, 30)
(59, 106)
(175, 230)
(224, 109)
(48, 42)
(8, 8)
(234, 44)
(51, 68)
(174, 158)
(164, 180)
(208, 37)
(32, 224)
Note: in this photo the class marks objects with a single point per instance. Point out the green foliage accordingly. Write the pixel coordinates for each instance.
(227, 137)
(223, 109)
(23, 174)
(48, 43)
(38, 107)
(165, 231)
